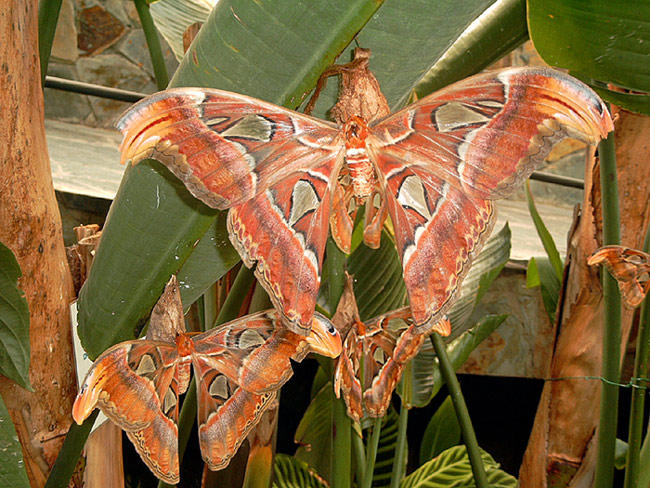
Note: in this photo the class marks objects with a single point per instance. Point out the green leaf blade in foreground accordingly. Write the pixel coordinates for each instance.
(12, 466)
(452, 468)
(600, 42)
(442, 432)
(290, 472)
(154, 223)
(540, 273)
(496, 32)
(544, 235)
(14, 322)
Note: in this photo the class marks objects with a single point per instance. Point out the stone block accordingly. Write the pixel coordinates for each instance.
(98, 30)
(134, 47)
(112, 70)
(64, 46)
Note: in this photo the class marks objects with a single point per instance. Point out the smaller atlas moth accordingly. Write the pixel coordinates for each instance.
(374, 354)
(434, 168)
(630, 267)
(238, 367)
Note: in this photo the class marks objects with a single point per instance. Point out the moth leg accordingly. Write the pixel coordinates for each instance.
(376, 213)
(341, 223)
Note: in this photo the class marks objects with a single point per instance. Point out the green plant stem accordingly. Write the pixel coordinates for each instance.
(371, 454)
(70, 452)
(469, 437)
(229, 311)
(153, 43)
(359, 455)
(342, 425)
(612, 321)
(399, 462)
(639, 390)
(48, 17)
(342, 430)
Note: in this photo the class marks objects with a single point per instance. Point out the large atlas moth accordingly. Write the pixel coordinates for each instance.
(434, 167)
(630, 267)
(374, 354)
(238, 367)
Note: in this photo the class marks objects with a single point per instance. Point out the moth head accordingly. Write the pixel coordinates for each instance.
(323, 338)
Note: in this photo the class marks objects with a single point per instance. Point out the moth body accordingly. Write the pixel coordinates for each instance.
(361, 170)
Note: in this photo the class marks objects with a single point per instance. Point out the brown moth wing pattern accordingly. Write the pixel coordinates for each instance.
(157, 443)
(225, 147)
(284, 230)
(486, 133)
(438, 231)
(226, 414)
(257, 353)
(442, 159)
(630, 267)
(135, 385)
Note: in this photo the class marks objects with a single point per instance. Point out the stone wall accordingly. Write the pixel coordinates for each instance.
(101, 42)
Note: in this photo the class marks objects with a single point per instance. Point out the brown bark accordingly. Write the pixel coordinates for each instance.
(561, 449)
(104, 457)
(30, 225)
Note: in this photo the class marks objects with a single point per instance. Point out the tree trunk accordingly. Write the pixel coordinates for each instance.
(31, 228)
(562, 448)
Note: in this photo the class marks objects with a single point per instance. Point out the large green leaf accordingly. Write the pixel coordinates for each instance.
(378, 283)
(173, 17)
(424, 381)
(407, 38)
(496, 32)
(314, 433)
(14, 321)
(12, 466)
(271, 50)
(291, 472)
(442, 432)
(599, 41)
(452, 468)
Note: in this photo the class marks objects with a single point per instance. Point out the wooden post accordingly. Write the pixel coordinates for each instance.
(30, 225)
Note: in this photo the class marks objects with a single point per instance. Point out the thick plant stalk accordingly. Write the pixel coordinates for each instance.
(48, 17)
(469, 436)
(153, 43)
(371, 454)
(635, 431)
(400, 448)
(612, 315)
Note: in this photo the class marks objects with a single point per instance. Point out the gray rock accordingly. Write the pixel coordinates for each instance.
(134, 47)
(112, 70)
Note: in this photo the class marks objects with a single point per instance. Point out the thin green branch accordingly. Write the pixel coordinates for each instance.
(153, 43)
(359, 455)
(639, 391)
(371, 454)
(399, 463)
(48, 17)
(469, 437)
(612, 320)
